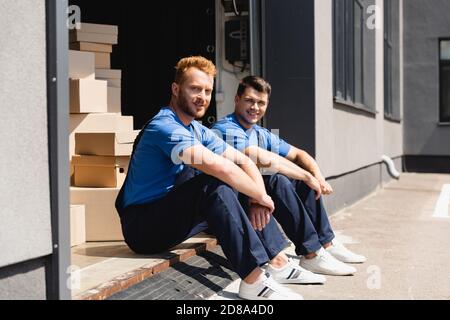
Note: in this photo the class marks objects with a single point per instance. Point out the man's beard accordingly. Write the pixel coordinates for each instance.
(183, 104)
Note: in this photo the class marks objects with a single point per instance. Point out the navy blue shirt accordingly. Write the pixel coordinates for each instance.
(230, 130)
(155, 164)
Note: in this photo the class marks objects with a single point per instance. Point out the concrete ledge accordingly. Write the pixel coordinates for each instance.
(130, 269)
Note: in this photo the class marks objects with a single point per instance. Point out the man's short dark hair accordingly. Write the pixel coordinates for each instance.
(257, 83)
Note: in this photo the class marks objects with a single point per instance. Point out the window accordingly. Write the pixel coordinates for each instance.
(445, 80)
(391, 60)
(349, 53)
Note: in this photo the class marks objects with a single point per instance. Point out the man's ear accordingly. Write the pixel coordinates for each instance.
(175, 89)
(236, 99)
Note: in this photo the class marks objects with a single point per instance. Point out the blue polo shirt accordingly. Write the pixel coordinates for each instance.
(230, 130)
(155, 164)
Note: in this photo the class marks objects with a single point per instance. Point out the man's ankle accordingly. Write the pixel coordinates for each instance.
(253, 276)
(311, 255)
(327, 245)
(279, 261)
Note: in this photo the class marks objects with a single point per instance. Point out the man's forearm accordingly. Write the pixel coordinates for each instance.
(276, 163)
(252, 171)
(292, 170)
(305, 161)
(247, 166)
(244, 181)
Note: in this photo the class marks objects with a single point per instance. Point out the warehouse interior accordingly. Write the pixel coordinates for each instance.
(149, 45)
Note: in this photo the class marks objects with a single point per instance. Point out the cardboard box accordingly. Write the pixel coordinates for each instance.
(81, 65)
(105, 144)
(114, 100)
(102, 60)
(113, 77)
(100, 122)
(113, 83)
(88, 96)
(77, 225)
(91, 47)
(103, 38)
(102, 219)
(99, 171)
(108, 73)
(98, 28)
(97, 122)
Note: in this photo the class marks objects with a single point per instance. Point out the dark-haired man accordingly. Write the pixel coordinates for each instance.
(296, 188)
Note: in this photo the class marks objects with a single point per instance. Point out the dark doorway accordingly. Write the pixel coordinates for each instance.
(150, 44)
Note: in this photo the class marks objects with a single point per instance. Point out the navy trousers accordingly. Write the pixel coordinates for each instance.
(196, 198)
(302, 217)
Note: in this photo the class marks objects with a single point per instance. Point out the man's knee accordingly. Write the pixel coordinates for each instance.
(279, 181)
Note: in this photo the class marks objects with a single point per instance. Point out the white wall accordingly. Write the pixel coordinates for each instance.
(25, 229)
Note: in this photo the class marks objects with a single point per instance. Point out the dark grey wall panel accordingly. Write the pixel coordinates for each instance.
(289, 66)
(424, 23)
(24, 281)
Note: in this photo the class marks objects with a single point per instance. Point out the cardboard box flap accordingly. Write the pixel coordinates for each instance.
(99, 28)
(126, 137)
(102, 38)
(108, 73)
(100, 161)
(105, 144)
(100, 122)
(91, 47)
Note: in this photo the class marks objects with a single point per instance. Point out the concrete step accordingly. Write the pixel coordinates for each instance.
(101, 269)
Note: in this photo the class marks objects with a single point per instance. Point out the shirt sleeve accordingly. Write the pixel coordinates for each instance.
(232, 135)
(276, 144)
(172, 140)
(212, 141)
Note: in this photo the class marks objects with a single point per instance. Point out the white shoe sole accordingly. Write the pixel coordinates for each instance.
(328, 272)
(297, 281)
(251, 297)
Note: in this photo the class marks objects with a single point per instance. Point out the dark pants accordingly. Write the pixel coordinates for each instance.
(302, 217)
(166, 222)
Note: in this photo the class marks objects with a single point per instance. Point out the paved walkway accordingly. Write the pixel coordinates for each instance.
(404, 231)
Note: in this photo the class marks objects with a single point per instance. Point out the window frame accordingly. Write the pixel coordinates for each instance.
(391, 108)
(442, 64)
(344, 62)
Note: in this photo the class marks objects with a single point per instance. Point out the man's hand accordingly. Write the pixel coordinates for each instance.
(259, 216)
(325, 186)
(315, 185)
(265, 201)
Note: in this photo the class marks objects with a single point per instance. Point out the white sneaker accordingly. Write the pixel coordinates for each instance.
(266, 288)
(293, 273)
(325, 263)
(341, 253)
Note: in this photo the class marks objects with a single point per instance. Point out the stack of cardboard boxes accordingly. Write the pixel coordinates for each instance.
(101, 139)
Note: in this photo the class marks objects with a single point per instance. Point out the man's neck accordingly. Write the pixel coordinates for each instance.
(245, 125)
(184, 118)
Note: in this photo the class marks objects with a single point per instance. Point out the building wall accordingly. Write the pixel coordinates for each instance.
(25, 229)
(349, 142)
(425, 23)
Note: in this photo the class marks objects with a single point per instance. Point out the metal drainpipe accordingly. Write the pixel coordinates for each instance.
(391, 167)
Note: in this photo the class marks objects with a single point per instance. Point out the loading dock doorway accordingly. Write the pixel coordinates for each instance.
(150, 44)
